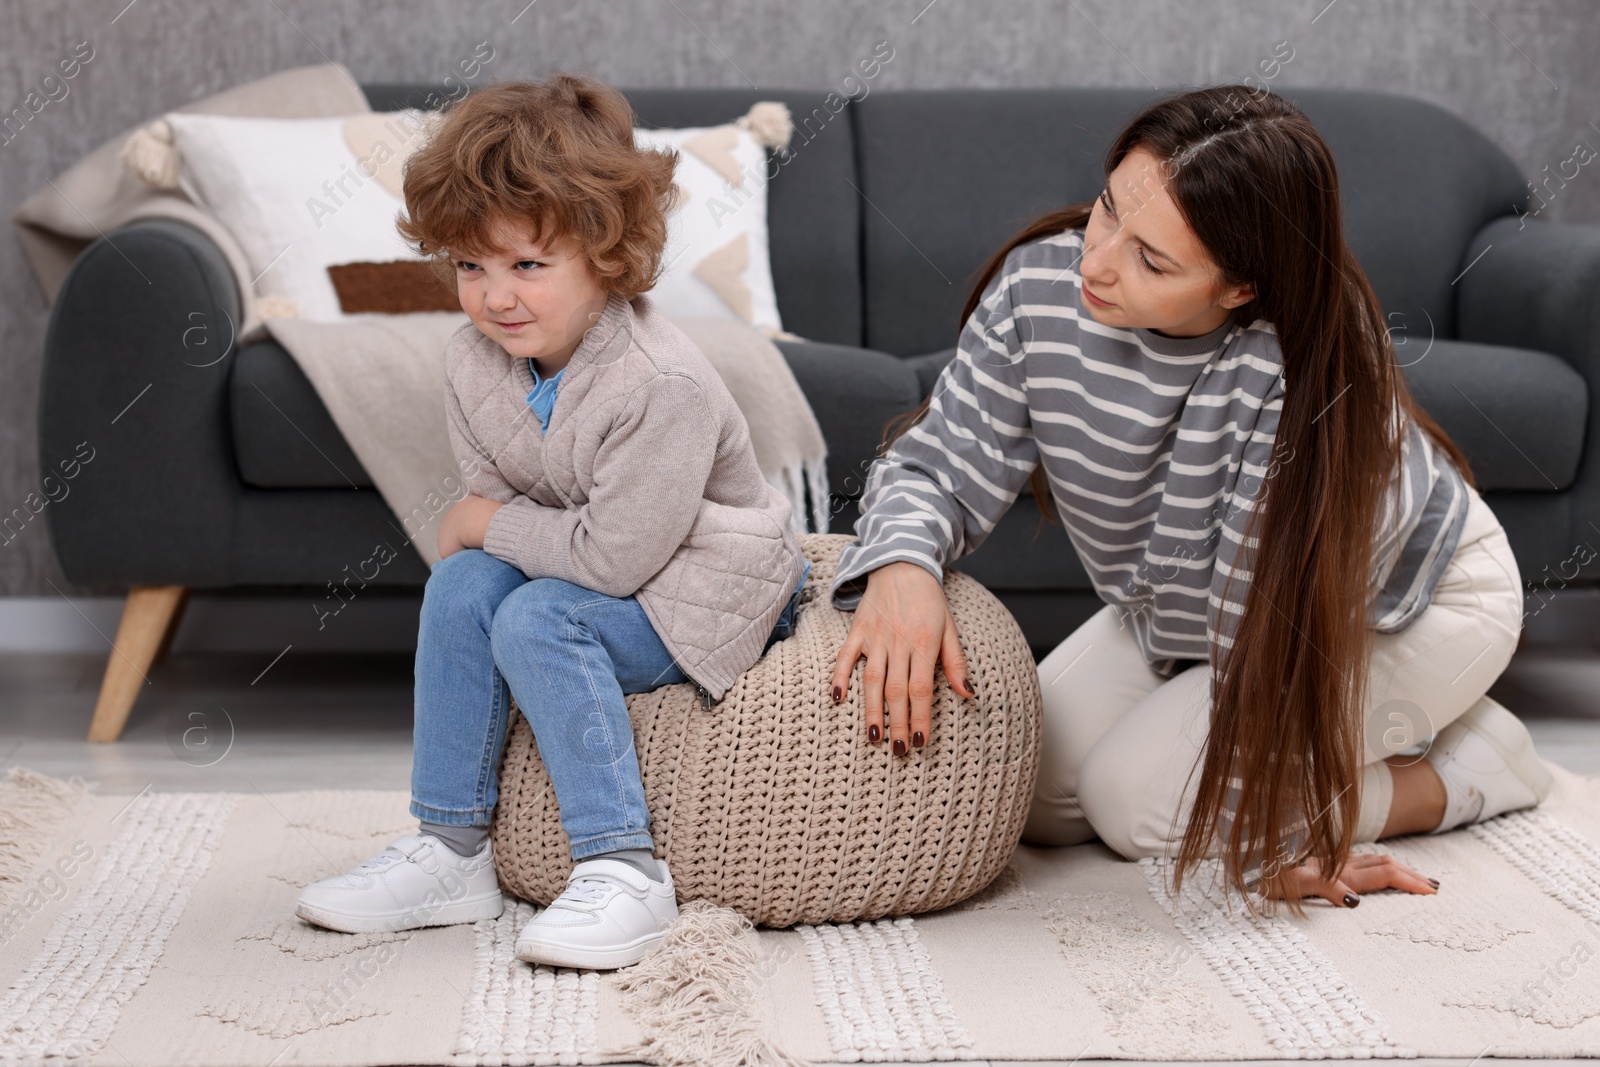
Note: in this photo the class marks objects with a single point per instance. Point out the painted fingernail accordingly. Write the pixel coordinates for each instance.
(1434, 882)
(916, 739)
(837, 696)
(899, 746)
(873, 734)
(1351, 900)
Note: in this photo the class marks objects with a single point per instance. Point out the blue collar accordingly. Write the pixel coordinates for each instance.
(543, 397)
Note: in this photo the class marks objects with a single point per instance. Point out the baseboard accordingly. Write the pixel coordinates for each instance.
(374, 621)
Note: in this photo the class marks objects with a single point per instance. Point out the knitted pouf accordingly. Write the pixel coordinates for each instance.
(773, 802)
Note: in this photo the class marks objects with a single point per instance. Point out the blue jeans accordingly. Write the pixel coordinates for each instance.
(569, 655)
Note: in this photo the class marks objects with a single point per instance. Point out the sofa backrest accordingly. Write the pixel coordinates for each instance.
(885, 211)
(949, 175)
(813, 212)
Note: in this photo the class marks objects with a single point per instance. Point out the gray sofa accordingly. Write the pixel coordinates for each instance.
(231, 473)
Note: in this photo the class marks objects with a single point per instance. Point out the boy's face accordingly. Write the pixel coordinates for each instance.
(535, 300)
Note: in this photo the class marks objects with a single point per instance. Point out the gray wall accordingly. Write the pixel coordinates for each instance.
(1524, 71)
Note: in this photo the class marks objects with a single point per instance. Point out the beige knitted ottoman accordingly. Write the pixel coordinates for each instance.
(774, 803)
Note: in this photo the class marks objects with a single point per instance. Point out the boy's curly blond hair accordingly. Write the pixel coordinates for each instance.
(556, 156)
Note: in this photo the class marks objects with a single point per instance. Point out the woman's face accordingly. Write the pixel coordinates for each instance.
(1144, 263)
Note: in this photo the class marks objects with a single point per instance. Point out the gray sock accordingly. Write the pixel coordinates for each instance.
(642, 860)
(462, 840)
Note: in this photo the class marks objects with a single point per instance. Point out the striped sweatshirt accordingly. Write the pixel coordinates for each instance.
(1156, 449)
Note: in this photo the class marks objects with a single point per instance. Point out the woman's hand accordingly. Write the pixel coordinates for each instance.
(465, 524)
(903, 627)
(1363, 873)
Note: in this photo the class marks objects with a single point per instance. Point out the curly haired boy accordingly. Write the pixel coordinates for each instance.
(618, 535)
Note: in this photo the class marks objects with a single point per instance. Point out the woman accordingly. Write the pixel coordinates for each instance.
(1302, 584)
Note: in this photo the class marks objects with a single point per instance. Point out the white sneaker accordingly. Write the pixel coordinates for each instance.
(417, 881)
(609, 916)
(1487, 762)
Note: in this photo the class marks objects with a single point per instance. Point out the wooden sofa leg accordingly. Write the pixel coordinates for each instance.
(172, 626)
(149, 617)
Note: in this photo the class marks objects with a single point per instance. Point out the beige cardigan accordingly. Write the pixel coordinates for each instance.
(645, 485)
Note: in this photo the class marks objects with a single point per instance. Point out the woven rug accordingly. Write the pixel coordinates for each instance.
(158, 930)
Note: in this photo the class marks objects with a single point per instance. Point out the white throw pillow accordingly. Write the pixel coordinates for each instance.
(717, 259)
(302, 195)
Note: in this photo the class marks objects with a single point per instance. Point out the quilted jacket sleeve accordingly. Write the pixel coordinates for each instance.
(650, 476)
(477, 466)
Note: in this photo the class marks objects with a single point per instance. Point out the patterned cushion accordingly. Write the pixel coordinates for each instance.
(774, 803)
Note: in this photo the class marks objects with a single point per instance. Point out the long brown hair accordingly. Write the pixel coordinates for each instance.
(1258, 186)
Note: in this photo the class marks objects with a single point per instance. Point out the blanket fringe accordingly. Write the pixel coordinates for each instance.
(799, 482)
(817, 486)
(33, 808)
(697, 996)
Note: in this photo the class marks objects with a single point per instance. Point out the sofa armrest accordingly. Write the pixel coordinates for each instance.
(1537, 285)
(137, 358)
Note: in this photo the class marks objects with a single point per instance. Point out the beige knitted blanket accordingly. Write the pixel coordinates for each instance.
(381, 376)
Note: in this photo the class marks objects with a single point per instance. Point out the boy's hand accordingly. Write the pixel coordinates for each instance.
(465, 524)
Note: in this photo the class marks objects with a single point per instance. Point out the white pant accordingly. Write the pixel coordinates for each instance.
(1120, 740)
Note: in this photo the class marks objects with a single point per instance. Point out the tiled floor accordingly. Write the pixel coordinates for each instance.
(344, 721)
